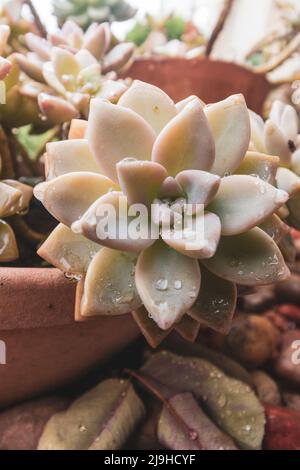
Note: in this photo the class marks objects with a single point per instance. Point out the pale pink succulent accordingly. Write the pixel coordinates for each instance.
(75, 66)
(280, 136)
(149, 149)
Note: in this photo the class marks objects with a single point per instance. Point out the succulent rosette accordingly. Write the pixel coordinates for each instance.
(150, 152)
(86, 12)
(72, 66)
(279, 136)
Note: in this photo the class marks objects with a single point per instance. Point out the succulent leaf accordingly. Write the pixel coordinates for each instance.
(153, 334)
(8, 244)
(199, 187)
(261, 165)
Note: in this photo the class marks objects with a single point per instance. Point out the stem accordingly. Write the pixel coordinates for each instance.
(149, 385)
(219, 26)
(8, 169)
(280, 58)
(37, 19)
(23, 230)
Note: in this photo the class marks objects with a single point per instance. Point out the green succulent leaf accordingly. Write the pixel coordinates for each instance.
(232, 404)
(101, 419)
(216, 302)
(251, 258)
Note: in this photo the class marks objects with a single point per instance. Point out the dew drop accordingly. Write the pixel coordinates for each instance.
(162, 284)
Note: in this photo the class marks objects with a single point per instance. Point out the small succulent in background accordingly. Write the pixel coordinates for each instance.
(280, 136)
(72, 66)
(86, 12)
(147, 150)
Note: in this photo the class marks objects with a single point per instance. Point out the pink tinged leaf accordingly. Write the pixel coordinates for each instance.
(251, 258)
(170, 189)
(115, 133)
(30, 68)
(231, 404)
(140, 180)
(153, 334)
(216, 302)
(257, 132)
(230, 124)
(57, 110)
(111, 90)
(286, 118)
(64, 63)
(38, 45)
(109, 222)
(275, 228)
(68, 251)
(67, 157)
(151, 103)
(86, 59)
(182, 104)
(101, 419)
(276, 143)
(188, 328)
(8, 244)
(95, 41)
(186, 142)
(5, 67)
(200, 187)
(243, 202)
(193, 431)
(68, 197)
(261, 165)
(109, 287)
(168, 283)
(199, 241)
(288, 181)
(118, 57)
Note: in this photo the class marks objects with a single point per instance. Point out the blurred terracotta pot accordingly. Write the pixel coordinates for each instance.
(45, 347)
(210, 80)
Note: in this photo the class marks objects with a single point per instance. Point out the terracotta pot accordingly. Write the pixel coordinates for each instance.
(45, 347)
(210, 80)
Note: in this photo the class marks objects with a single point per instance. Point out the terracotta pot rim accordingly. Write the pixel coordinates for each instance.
(36, 298)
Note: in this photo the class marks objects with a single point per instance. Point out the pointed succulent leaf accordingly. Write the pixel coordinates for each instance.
(188, 328)
(26, 194)
(77, 129)
(275, 228)
(243, 202)
(95, 41)
(69, 156)
(200, 187)
(9, 200)
(118, 57)
(33, 69)
(68, 251)
(109, 287)
(230, 124)
(111, 90)
(188, 427)
(296, 162)
(286, 118)
(182, 104)
(140, 180)
(186, 142)
(261, 165)
(52, 79)
(8, 244)
(108, 222)
(57, 110)
(153, 334)
(68, 197)
(85, 59)
(64, 63)
(257, 132)
(167, 289)
(38, 45)
(151, 103)
(216, 302)
(170, 189)
(251, 258)
(115, 133)
(288, 181)
(232, 404)
(199, 241)
(276, 143)
(101, 419)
